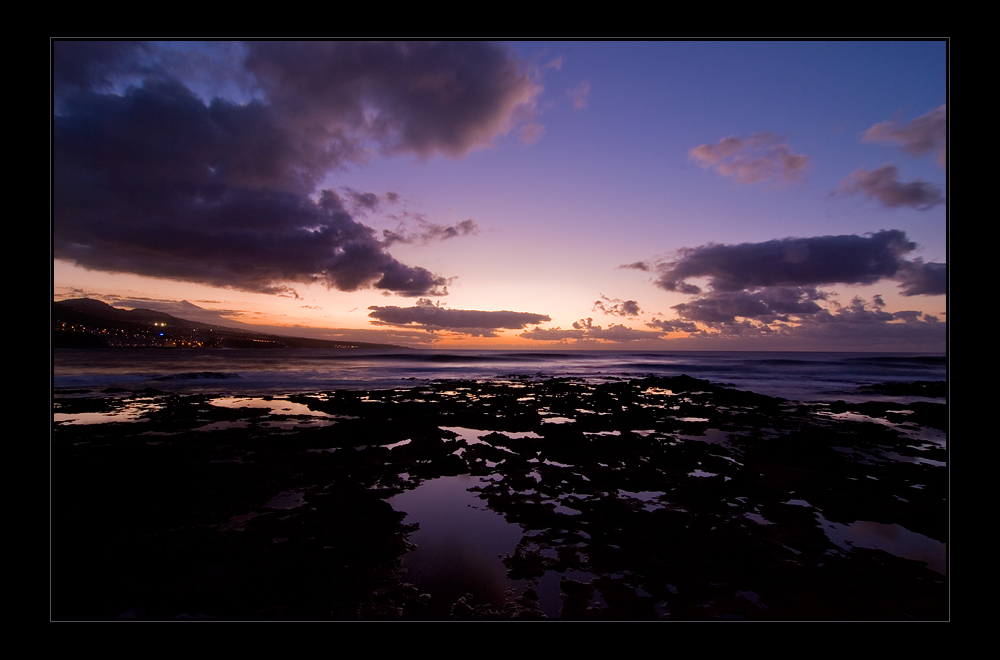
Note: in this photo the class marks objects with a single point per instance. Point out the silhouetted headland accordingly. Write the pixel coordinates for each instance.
(88, 323)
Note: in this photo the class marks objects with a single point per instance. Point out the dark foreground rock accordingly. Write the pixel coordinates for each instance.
(651, 498)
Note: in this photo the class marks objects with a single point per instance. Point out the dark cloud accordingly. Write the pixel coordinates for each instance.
(860, 320)
(858, 325)
(791, 262)
(620, 334)
(423, 97)
(766, 305)
(552, 334)
(616, 306)
(912, 316)
(87, 65)
(760, 158)
(923, 279)
(154, 180)
(770, 290)
(366, 202)
(584, 331)
(638, 265)
(432, 317)
(464, 228)
(926, 133)
(883, 184)
(672, 325)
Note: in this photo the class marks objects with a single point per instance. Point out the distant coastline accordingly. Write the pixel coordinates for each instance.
(88, 323)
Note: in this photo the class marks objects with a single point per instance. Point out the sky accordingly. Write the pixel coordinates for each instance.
(676, 195)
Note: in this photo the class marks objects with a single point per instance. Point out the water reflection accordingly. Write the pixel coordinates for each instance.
(129, 411)
(460, 543)
(894, 539)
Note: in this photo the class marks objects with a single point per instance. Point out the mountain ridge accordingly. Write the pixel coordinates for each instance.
(90, 323)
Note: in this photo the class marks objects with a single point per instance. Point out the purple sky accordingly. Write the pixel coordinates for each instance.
(675, 195)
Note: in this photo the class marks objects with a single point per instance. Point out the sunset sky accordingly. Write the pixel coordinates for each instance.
(672, 195)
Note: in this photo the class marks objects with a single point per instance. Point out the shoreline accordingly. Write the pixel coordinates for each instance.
(809, 376)
(644, 498)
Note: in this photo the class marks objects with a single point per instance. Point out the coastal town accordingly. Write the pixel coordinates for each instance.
(87, 323)
(159, 335)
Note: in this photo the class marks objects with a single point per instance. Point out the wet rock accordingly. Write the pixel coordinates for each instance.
(676, 496)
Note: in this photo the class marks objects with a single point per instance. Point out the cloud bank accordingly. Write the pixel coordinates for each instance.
(151, 178)
(768, 295)
(584, 331)
(432, 317)
(770, 289)
(800, 262)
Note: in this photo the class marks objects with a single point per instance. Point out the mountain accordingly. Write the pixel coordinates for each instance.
(88, 323)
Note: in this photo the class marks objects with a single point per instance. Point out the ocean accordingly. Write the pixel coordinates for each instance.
(803, 376)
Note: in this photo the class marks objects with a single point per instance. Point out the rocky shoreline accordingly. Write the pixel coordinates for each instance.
(649, 498)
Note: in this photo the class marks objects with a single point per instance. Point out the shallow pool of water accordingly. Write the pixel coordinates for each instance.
(460, 543)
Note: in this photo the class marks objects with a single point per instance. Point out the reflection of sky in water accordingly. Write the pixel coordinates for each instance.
(134, 410)
(757, 518)
(276, 406)
(222, 426)
(649, 497)
(471, 436)
(894, 539)
(911, 431)
(711, 436)
(460, 542)
(287, 500)
(129, 412)
(913, 459)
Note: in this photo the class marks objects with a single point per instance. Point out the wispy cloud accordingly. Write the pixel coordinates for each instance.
(580, 95)
(362, 203)
(429, 232)
(927, 133)
(759, 158)
(883, 184)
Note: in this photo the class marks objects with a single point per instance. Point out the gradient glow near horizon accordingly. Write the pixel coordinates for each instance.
(654, 195)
